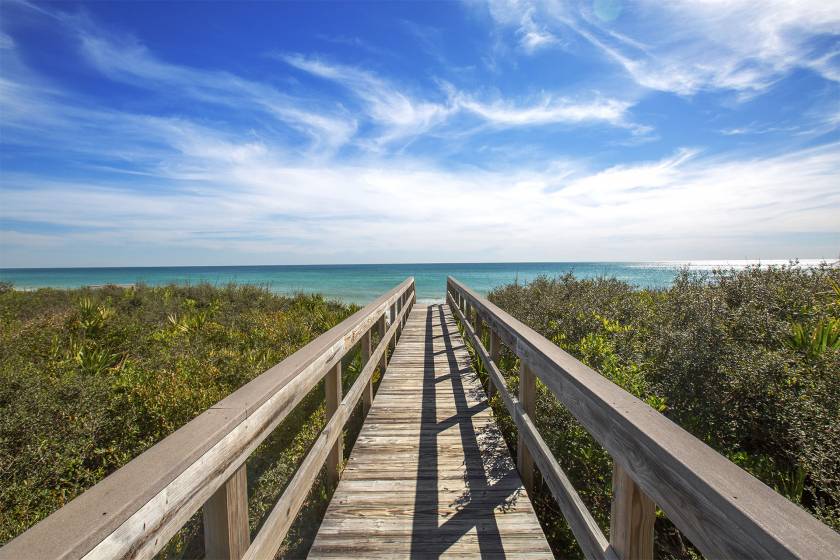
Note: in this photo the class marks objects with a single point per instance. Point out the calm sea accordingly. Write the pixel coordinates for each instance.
(361, 283)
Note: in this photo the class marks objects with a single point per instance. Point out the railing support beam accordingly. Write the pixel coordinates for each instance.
(334, 395)
(226, 533)
(527, 399)
(631, 519)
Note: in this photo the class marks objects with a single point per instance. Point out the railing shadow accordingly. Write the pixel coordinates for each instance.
(490, 478)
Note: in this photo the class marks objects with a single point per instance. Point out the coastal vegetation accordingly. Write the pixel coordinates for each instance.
(748, 361)
(91, 378)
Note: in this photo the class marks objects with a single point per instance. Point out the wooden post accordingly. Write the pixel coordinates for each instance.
(334, 394)
(392, 344)
(367, 395)
(226, 533)
(631, 519)
(495, 352)
(527, 399)
(383, 361)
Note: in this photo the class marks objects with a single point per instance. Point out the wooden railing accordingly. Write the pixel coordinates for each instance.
(723, 510)
(135, 511)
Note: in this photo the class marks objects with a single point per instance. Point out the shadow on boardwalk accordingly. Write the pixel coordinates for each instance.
(430, 475)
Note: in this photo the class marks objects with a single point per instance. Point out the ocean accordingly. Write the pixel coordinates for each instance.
(361, 283)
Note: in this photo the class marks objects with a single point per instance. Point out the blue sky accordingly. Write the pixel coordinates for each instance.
(272, 133)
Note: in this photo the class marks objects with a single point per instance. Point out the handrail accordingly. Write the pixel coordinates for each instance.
(136, 510)
(722, 509)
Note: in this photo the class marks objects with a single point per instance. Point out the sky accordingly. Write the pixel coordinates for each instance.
(151, 133)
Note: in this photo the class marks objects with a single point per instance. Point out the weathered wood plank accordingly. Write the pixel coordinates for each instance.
(430, 473)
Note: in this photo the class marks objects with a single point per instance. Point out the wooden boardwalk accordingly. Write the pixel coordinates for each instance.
(430, 474)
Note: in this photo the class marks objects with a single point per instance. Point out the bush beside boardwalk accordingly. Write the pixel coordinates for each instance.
(748, 361)
(90, 378)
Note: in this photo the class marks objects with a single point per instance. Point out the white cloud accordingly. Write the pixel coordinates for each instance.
(250, 200)
(547, 111)
(132, 62)
(400, 114)
(521, 15)
(395, 113)
(687, 46)
(404, 116)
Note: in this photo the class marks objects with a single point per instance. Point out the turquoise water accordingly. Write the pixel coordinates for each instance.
(356, 283)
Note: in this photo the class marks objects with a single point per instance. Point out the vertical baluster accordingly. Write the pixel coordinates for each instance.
(383, 361)
(226, 533)
(367, 395)
(334, 394)
(392, 344)
(480, 328)
(631, 519)
(527, 399)
(495, 352)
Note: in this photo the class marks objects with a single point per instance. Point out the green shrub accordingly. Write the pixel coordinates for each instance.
(745, 360)
(90, 378)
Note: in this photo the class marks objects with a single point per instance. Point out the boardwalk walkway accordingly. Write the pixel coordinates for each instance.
(430, 474)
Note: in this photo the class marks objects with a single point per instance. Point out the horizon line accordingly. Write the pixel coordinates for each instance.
(813, 260)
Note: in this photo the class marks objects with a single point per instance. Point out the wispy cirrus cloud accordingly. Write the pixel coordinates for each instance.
(548, 110)
(523, 15)
(404, 115)
(330, 125)
(686, 47)
(131, 62)
(401, 114)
